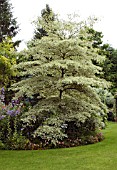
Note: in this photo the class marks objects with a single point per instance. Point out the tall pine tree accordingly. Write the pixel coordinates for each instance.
(8, 24)
(48, 15)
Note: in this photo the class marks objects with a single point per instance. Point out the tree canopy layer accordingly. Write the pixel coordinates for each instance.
(60, 70)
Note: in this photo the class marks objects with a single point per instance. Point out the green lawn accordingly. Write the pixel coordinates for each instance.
(100, 156)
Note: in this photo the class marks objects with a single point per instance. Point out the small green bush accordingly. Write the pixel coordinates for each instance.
(2, 146)
(18, 142)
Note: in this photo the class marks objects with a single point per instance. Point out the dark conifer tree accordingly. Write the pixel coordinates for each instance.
(48, 16)
(8, 24)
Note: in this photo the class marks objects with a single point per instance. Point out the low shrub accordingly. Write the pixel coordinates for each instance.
(17, 142)
(2, 145)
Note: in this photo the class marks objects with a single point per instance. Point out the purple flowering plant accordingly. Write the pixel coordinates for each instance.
(10, 123)
(12, 109)
(9, 114)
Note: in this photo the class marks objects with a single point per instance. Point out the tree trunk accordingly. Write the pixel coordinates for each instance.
(60, 95)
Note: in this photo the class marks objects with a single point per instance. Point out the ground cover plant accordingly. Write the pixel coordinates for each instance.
(99, 156)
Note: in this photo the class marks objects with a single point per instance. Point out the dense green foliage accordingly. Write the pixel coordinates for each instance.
(110, 67)
(7, 59)
(101, 156)
(60, 72)
(8, 30)
(110, 63)
(96, 37)
(8, 24)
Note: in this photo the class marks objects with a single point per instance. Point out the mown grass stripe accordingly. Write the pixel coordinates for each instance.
(99, 156)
